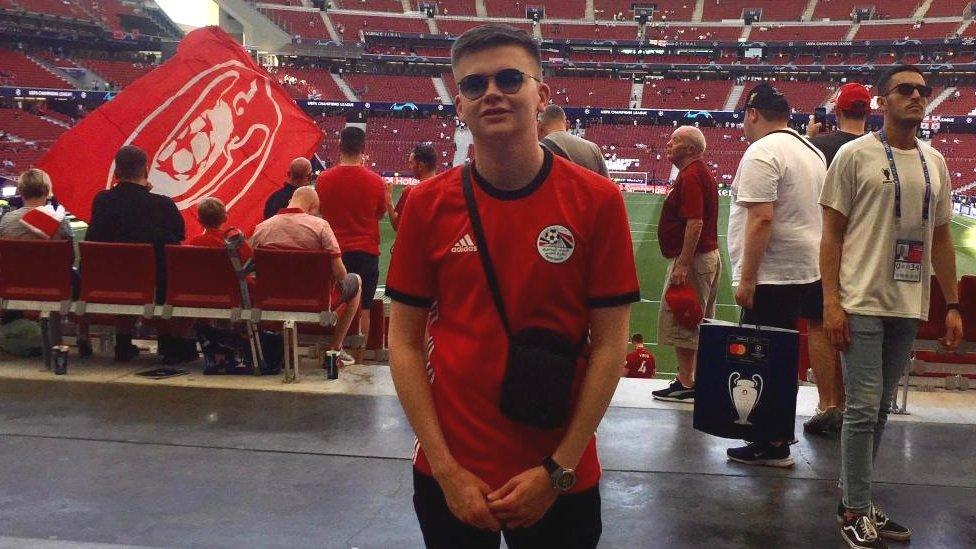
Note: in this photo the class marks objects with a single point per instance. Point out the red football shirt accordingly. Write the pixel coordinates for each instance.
(561, 246)
(353, 199)
(694, 195)
(640, 363)
(214, 238)
(400, 206)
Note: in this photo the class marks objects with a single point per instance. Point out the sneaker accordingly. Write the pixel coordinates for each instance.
(859, 531)
(824, 421)
(762, 453)
(345, 359)
(676, 392)
(887, 528)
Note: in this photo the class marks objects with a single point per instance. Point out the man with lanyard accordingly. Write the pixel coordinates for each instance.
(885, 193)
(553, 230)
(774, 232)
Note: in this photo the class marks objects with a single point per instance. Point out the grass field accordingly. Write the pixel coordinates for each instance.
(644, 211)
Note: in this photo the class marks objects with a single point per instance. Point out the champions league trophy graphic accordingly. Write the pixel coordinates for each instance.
(745, 394)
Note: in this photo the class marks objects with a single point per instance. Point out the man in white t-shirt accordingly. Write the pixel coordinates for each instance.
(774, 233)
(886, 211)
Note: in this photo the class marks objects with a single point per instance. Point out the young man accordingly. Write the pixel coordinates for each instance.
(554, 131)
(688, 235)
(774, 233)
(552, 229)
(852, 108)
(640, 362)
(423, 166)
(299, 175)
(884, 192)
(353, 200)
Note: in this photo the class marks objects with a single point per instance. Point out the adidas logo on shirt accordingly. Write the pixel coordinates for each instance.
(464, 245)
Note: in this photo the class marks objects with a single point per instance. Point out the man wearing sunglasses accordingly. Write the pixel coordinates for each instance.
(886, 212)
(562, 256)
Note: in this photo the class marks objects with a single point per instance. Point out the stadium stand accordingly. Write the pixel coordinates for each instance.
(57, 8)
(453, 7)
(784, 10)
(17, 69)
(771, 33)
(884, 9)
(307, 24)
(962, 102)
(118, 73)
(305, 83)
(455, 27)
(946, 9)
(27, 126)
(373, 5)
(919, 30)
(686, 94)
(352, 25)
(596, 31)
(667, 10)
(589, 92)
(695, 33)
(375, 87)
(803, 96)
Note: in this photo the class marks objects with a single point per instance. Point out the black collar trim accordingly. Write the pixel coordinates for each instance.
(525, 191)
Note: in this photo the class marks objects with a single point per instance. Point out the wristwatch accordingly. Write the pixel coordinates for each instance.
(953, 307)
(562, 478)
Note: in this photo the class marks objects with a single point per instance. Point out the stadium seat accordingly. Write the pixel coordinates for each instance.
(967, 302)
(201, 283)
(117, 279)
(293, 287)
(35, 276)
(934, 328)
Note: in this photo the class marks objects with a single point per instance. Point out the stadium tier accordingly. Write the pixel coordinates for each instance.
(590, 92)
(783, 10)
(372, 5)
(306, 24)
(350, 26)
(374, 87)
(764, 32)
(592, 31)
(452, 7)
(884, 9)
(17, 69)
(22, 124)
(309, 83)
(873, 31)
(118, 73)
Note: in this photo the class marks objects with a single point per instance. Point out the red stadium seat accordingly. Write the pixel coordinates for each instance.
(934, 328)
(967, 302)
(201, 283)
(117, 279)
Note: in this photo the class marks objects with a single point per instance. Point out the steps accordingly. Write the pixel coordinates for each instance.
(636, 95)
(262, 33)
(333, 33)
(934, 104)
(442, 92)
(432, 26)
(590, 13)
(406, 6)
(71, 81)
(733, 100)
(962, 28)
(55, 121)
(923, 8)
(463, 141)
(853, 30)
(808, 11)
(696, 16)
(746, 31)
(480, 9)
(346, 90)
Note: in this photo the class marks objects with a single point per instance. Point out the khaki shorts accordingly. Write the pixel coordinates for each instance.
(703, 275)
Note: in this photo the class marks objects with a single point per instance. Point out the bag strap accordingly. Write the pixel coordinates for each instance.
(479, 237)
(805, 143)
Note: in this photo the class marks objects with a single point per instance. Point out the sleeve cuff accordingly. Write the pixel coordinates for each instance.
(407, 299)
(614, 301)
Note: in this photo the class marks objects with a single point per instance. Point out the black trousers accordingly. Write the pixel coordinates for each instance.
(573, 522)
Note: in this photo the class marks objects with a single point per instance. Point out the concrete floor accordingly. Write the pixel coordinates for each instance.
(94, 464)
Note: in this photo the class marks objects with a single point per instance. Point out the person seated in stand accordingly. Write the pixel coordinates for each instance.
(298, 227)
(213, 216)
(35, 219)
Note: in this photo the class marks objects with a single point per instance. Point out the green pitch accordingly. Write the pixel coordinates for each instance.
(644, 211)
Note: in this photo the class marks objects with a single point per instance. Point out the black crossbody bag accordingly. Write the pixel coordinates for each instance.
(541, 363)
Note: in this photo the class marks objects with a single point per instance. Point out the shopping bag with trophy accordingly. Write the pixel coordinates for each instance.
(746, 384)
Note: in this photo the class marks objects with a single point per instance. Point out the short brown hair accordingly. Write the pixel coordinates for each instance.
(494, 35)
(352, 140)
(34, 183)
(130, 163)
(637, 338)
(770, 115)
(211, 213)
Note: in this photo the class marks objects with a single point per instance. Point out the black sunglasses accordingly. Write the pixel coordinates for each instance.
(509, 81)
(907, 89)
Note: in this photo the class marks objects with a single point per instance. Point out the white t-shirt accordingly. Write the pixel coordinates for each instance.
(859, 185)
(785, 169)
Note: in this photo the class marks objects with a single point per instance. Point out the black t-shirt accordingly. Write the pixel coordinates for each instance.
(830, 143)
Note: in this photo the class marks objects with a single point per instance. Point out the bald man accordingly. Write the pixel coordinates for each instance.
(299, 227)
(299, 175)
(688, 235)
(554, 136)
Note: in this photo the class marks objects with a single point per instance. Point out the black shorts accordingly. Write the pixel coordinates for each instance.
(573, 522)
(367, 266)
(780, 305)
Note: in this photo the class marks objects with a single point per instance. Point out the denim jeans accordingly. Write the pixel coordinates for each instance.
(873, 364)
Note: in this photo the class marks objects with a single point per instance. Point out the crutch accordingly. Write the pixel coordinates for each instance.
(233, 240)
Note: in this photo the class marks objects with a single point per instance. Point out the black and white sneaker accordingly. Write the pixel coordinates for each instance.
(762, 453)
(888, 528)
(824, 421)
(860, 532)
(676, 392)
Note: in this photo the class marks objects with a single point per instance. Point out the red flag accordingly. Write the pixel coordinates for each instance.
(211, 120)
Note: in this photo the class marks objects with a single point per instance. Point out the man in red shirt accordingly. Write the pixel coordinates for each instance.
(688, 235)
(423, 164)
(554, 230)
(640, 362)
(353, 200)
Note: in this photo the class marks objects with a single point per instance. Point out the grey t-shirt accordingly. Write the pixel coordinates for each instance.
(578, 150)
(12, 228)
(859, 186)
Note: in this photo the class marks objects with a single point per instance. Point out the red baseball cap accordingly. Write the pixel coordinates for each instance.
(854, 97)
(683, 302)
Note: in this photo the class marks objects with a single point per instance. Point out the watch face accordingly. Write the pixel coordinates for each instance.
(565, 480)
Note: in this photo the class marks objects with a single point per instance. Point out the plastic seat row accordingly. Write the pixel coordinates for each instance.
(293, 287)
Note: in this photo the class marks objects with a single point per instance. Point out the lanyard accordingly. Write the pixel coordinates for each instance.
(883, 135)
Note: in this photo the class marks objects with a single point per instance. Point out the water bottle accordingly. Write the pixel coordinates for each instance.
(60, 355)
(332, 364)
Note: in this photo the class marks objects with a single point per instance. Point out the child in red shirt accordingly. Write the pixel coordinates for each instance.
(212, 215)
